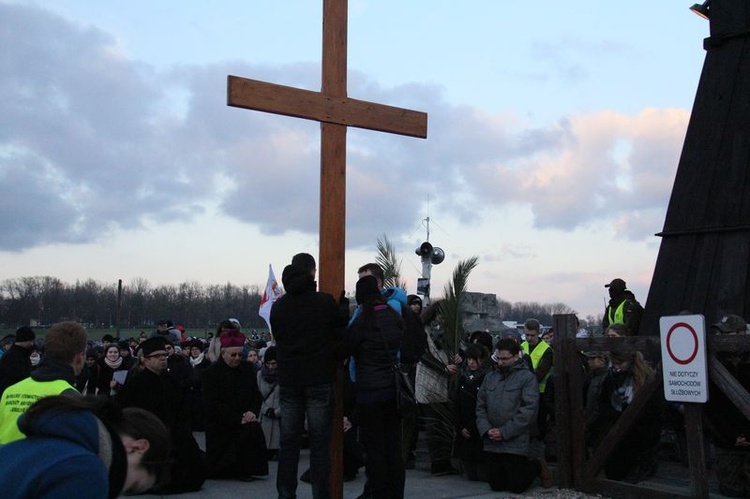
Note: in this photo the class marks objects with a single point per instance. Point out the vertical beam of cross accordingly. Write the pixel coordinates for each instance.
(333, 151)
(335, 112)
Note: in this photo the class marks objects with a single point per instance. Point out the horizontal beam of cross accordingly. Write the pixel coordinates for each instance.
(289, 101)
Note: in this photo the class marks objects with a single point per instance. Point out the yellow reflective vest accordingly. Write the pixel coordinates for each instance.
(619, 314)
(536, 356)
(17, 398)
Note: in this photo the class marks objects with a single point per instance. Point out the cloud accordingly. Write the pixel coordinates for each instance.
(595, 169)
(92, 142)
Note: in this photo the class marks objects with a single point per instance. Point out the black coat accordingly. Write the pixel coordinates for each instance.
(86, 380)
(15, 365)
(195, 394)
(465, 403)
(305, 325)
(374, 347)
(163, 396)
(106, 373)
(233, 449)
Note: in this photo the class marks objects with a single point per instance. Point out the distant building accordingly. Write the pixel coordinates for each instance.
(481, 312)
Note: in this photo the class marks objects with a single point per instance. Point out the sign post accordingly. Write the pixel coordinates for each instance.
(684, 365)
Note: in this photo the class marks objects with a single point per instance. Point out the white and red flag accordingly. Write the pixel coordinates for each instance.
(270, 294)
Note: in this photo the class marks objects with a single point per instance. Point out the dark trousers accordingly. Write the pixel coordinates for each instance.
(315, 402)
(510, 472)
(380, 432)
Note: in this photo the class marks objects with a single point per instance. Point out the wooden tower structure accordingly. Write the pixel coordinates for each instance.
(703, 263)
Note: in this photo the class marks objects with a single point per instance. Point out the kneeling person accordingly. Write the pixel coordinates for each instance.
(507, 405)
(235, 445)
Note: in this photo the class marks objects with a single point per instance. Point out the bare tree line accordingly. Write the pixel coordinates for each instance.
(520, 311)
(44, 300)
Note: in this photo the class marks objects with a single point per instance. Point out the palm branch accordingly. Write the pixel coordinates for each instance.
(391, 266)
(450, 308)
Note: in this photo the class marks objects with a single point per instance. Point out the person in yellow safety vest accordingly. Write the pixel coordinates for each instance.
(539, 351)
(63, 359)
(623, 308)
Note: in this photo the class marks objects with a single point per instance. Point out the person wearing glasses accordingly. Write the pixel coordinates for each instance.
(507, 405)
(235, 445)
(150, 387)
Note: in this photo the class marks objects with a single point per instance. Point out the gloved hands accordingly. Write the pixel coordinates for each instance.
(343, 300)
(270, 413)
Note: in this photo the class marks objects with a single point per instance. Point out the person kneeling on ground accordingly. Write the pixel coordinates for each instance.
(507, 405)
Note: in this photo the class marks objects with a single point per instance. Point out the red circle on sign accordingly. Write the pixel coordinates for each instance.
(695, 339)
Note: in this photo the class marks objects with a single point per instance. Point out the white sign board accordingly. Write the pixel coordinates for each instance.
(683, 358)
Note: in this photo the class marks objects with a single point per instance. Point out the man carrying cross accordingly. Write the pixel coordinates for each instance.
(305, 324)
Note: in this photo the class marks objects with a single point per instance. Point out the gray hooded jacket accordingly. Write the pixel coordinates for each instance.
(508, 401)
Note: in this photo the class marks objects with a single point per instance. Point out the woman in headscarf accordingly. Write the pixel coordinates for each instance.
(235, 446)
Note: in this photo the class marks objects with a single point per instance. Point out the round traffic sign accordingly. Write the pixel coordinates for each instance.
(694, 335)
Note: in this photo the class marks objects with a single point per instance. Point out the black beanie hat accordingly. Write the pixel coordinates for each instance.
(152, 345)
(269, 354)
(25, 333)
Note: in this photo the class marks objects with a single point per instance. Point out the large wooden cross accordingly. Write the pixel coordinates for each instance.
(335, 111)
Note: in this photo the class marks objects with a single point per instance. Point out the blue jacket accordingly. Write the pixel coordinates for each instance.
(60, 459)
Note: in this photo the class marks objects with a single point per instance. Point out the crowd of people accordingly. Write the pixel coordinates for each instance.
(120, 414)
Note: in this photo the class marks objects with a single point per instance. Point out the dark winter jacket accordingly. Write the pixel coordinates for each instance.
(465, 396)
(644, 434)
(15, 365)
(106, 373)
(305, 324)
(233, 449)
(465, 403)
(229, 392)
(61, 458)
(632, 312)
(50, 369)
(592, 388)
(375, 353)
(162, 395)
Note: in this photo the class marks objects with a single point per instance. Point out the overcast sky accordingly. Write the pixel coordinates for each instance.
(553, 139)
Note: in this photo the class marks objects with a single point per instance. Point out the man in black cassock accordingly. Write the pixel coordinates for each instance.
(150, 387)
(235, 446)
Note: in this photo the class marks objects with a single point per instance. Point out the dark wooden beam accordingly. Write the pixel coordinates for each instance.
(289, 101)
